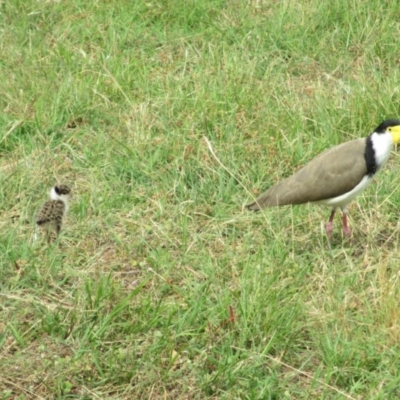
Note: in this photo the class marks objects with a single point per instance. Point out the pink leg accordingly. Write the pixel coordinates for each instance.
(329, 225)
(346, 228)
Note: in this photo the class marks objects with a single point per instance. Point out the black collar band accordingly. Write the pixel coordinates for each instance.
(370, 159)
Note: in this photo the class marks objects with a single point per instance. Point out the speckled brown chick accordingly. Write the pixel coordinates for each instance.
(50, 217)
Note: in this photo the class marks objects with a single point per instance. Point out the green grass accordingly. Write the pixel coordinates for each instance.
(162, 286)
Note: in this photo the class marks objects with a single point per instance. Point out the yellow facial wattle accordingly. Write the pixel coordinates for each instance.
(395, 132)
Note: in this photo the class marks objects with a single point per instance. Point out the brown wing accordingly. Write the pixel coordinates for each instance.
(331, 174)
(51, 211)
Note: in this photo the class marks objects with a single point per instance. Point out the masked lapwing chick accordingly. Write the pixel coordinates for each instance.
(51, 216)
(336, 176)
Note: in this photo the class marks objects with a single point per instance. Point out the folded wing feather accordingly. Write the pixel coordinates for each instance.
(331, 174)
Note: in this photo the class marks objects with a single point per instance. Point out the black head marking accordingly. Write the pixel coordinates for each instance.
(386, 124)
(62, 189)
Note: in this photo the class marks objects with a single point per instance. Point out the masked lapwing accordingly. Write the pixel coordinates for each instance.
(51, 216)
(336, 176)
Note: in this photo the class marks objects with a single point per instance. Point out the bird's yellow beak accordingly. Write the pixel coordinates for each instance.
(395, 132)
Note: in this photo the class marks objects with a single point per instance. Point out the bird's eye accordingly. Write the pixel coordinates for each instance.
(390, 129)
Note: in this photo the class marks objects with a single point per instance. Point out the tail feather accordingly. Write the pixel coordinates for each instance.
(281, 194)
(255, 206)
(278, 195)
